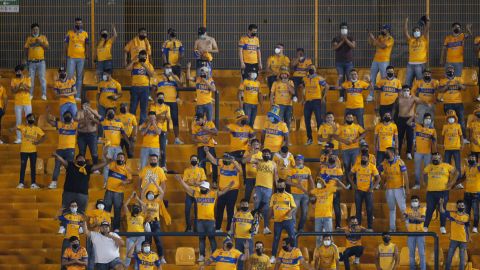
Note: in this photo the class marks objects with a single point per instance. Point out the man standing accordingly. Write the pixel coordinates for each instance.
(453, 46)
(425, 89)
(113, 133)
(387, 94)
(452, 141)
(259, 260)
(249, 52)
(3, 107)
(406, 119)
(35, 47)
(250, 96)
(275, 131)
(300, 66)
(205, 86)
(150, 131)
(163, 114)
(141, 71)
(473, 129)
(88, 122)
(240, 135)
(20, 86)
(387, 257)
(173, 52)
(203, 48)
(383, 44)
(417, 50)
(203, 133)
(415, 217)
(353, 89)
(76, 50)
(242, 228)
(136, 45)
(106, 246)
(282, 93)
(343, 46)
(109, 91)
(425, 145)
(249, 159)
(386, 135)
(193, 177)
(275, 63)
(129, 122)
(472, 189)
(65, 90)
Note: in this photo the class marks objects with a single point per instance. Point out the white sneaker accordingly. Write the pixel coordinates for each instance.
(78, 99)
(97, 172)
(340, 99)
(219, 231)
(53, 185)
(272, 259)
(266, 230)
(61, 230)
(425, 229)
(369, 98)
(1, 142)
(178, 141)
(201, 258)
(475, 230)
(459, 186)
(416, 187)
(20, 186)
(357, 260)
(465, 141)
(162, 261)
(44, 97)
(309, 142)
(34, 186)
(17, 141)
(409, 156)
(31, 97)
(443, 230)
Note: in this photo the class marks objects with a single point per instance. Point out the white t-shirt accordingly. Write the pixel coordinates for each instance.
(105, 248)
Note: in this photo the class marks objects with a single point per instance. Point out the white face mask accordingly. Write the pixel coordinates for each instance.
(36, 35)
(327, 242)
(319, 185)
(168, 71)
(415, 204)
(150, 196)
(451, 120)
(105, 77)
(427, 122)
(271, 119)
(406, 94)
(101, 206)
(417, 34)
(73, 210)
(354, 80)
(277, 50)
(253, 76)
(146, 249)
(344, 31)
(204, 36)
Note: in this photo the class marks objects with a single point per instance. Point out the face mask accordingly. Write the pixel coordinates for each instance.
(364, 162)
(253, 34)
(253, 76)
(244, 208)
(390, 74)
(78, 27)
(203, 75)
(31, 121)
(417, 34)
(81, 163)
(104, 35)
(364, 151)
(415, 204)
(243, 122)
(259, 251)
(311, 71)
(460, 209)
(319, 185)
(101, 206)
(435, 162)
(135, 211)
(18, 75)
(386, 240)
(67, 119)
(75, 246)
(286, 248)
(142, 37)
(62, 76)
(229, 245)
(146, 249)
(427, 78)
(451, 120)
(150, 196)
(204, 191)
(331, 161)
(173, 34)
(344, 31)
(168, 71)
(449, 73)
(153, 164)
(120, 162)
(142, 59)
(123, 110)
(354, 80)
(353, 225)
(471, 162)
(300, 166)
(227, 162)
(427, 122)
(194, 162)
(73, 209)
(35, 35)
(203, 36)
(105, 77)
(477, 115)
(387, 118)
(110, 116)
(277, 50)
(272, 119)
(349, 122)
(161, 101)
(281, 190)
(406, 93)
(266, 158)
(456, 30)
(327, 243)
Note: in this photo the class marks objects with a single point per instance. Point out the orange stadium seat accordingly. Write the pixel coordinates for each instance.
(185, 256)
(40, 168)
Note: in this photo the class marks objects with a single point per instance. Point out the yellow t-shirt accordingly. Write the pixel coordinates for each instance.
(281, 93)
(425, 90)
(97, 216)
(104, 49)
(326, 131)
(453, 94)
(77, 44)
(424, 138)
(281, 204)
(276, 62)
(139, 74)
(458, 226)
(155, 174)
(417, 50)
(265, 173)
(261, 262)
(455, 46)
(81, 255)
(67, 135)
(365, 176)
(205, 205)
(200, 133)
(300, 176)
(250, 47)
(274, 135)
(135, 224)
(284, 166)
(243, 224)
(194, 175)
(389, 90)
(135, 45)
(129, 121)
(290, 260)
(173, 49)
(314, 87)
(438, 176)
(386, 135)
(328, 173)
(354, 93)
(112, 131)
(204, 95)
(383, 54)
(168, 87)
(472, 181)
(152, 210)
(22, 96)
(117, 175)
(414, 225)
(65, 87)
(327, 257)
(226, 260)
(251, 168)
(149, 261)
(151, 138)
(387, 256)
(251, 90)
(35, 51)
(349, 132)
(3, 95)
(30, 134)
(239, 136)
(477, 42)
(452, 134)
(107, 89)
(324, 201)
(162, 110)
(227, 174)
(393, 173)
(474, 127)
(73, 224)
(302, 68)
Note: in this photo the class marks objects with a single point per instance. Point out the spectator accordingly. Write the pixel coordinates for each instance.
(152, 175)
(285, 164)
(103, 53)
(203, 133)
(109, 91)
(164, 117)
(240, 135)
(95, 218)
(459, 237)
(453, 47)
(259, 260)
(65, 90)
(141, 71)
(425, 89)
(227, 257)
(3, 107)
(326, 256)
(290, 255)
(282, 93)
(33, 136)
(250, 159)
(439, 177)
(425, 144)
(193, 177)
(76, 48)
(386, 135)
(354, 243)
(301, 181)
(383, 44)
(249, 52)
(242, 228)
(472, 188)
(387, 95)
(353, 90)
(415, 216)
(452, 141)
(473, 132)
(387, 257)
(70, 224)
(275, 63)
(144, 257)
(114, 131)
(172, 53)
(300, 66)
(343, 46)
(326, 131)
(364, 151)
(250, 96)
(395, 176)
(275, 131)
(20, 86)
(406, 119)
(130, 125)
(205, 87)
(477, 52)
(135, 219)
(417, 50)
(35, 47)
(282, 207)
(314, 96)
(203, 48)
(106, 245)
(136, 46)
(67, 141)
(75, 256)
(367, 178)
(88, 122)
(150, 131)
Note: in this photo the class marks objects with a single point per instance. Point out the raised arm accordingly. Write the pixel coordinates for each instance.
(60, 159)
(186, 187)
(405, 30)
(210, 157)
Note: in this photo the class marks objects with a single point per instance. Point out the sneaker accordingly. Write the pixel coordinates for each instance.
(309, 142)
(369, 230)
(409, 156)
(18, 141)
(475, 230)
(97, 172)
(478, 98)
(340, 99)
(201, 258)
(266, 231)
(425, 229)
(44, 97)
(369, 98)
(377, 187)
(459, 186)
(416, 187)
(188, 230)
(272, 259)
(150, 98)
(61, 230)
(78, 99)
(20, 186)
(34, 186)
(219, 231)
(465, 141)
(162, 261)
(53, 185)
(178, 141)
(1, 142)
(443, 230)
(357, 260)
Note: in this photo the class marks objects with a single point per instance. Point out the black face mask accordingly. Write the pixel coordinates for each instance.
(259, 251)
(449, 73)
(78, 27)
(281, 190)
(253, 34)
(110, 116)
(18, 75)
(266, 158)
(227, 162)
(390, 74)
(244, 209)
(203, 76)
(460, 209)
(173, 34)
(427, 78)
(364, 162)
(75, 246)
(142, 59)
(471, 162)
(456, 30)
(194, 162)
(62, 75)
(81, 163)
(67, 119)
(364, 151)
(153, 164)
(142, 37)
(349, 122)
(123, 110)
(386, 240)
(31, 121)
(243, 121)
(435, 162)
(387, 119)
(311, 71)
(104, 36)
(229, 245)
(120, 162)
(286, 248)
(161, 100)
(204, 191)
(331, 161)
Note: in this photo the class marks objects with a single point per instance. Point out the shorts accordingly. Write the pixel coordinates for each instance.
(108, 266)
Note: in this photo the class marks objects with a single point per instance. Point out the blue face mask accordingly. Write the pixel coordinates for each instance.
(272, 119)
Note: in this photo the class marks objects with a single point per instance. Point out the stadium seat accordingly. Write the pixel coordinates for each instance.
(185, 256)
(405, 257)
(259, 122)
(43, 123)
(430, 256)
(134, 164)
(313, 123)
(40, 168)
(456, 258)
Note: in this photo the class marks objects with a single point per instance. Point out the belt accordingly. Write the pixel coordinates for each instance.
(36, 61)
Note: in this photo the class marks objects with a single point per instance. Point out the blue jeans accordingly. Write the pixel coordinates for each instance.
(456, 156)
(189, 201)
(317, 107)
(90, 140)
(155, 227)
(380, 157)
(322, 225)
(471, 202)
(458, 68)
(278, 227)
(395, 196)
(67, 155)
(163, 149)
(262, 196)
(286, 112)
(358, 113)
(460, 111)
(114, 199)
(433, 199)
(138, 247)
(206, 109)
(139, 94)
(75, 65)
(19, 109)
(419, 158)
(240, 245)
(102, 66)
(375, 69)
(250, 111)
(40, 68)
(206, 226)
(367, 197)
(68, 107)
(173, 112)
(462, 247)
(301, 200)
(145, 152)
(416, 242)
(349, 157)
(112, 153)
(414, 70)
(343, 71)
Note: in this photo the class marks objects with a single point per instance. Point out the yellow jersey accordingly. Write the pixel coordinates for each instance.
(393, 173)
(251, 90)
(365, 176)
(452, 134)
(284, 165)
(386, 135)
(155, 174)
(474, 127)
(135, 224)
(326, 131)
(200, 132)
(65, 87)
(300, 176)
(205, 204)
(350, 132)
(22, 96)
(458, 226)
(151, 138)
(239, 136)
(135, 45)
(152, 210)
(276, 62)
(117, 176)
(147, 261)
(354, 93)
(140, 75)
(162, 110)
(331, 172)
(327, 257)
(243, 223)
(274, 135)
(417, 50)
(3, 95)
(265, 173)
(251, 168)
(81, 255)
(104, 49)
(112, 131)
(35, 50)
(129, 121)
(290, 260)
(386, 254)
(226, 260)
(389, 90)
(227, 174)
(204, 94)
(455, 46)
(438, 176)
(281, 203)
(261, 262)
(281, 94)
(77, 43)
(477, 42)
(425, 91)
(96, 217)
(173, 50)
(107, 89)
(383, 54)
(73, 222)
(250, 47)
(314, 87)
(453, 94)
(30, 135)
(67, 135)
(301, 69)
(194, 175)
(412, 224)
(472, 181)
(324, 201)
(167, 86)
(424, 138)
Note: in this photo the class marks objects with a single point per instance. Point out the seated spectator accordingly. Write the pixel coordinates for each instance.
(290, 256)
(106, 245)
(258, 260)
(145, 258)
(354, 243)
(75, 257)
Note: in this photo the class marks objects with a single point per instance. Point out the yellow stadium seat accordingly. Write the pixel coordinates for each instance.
(313, 123)
(305, 254)
(456, 258)
(185, 256)
(430, 256)
(344, 211)
(470, 76)
(40, 168)
(51, 166)
(259, 122)
(134, 165)
(43, 123)
(405, 257)
(452, 206)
